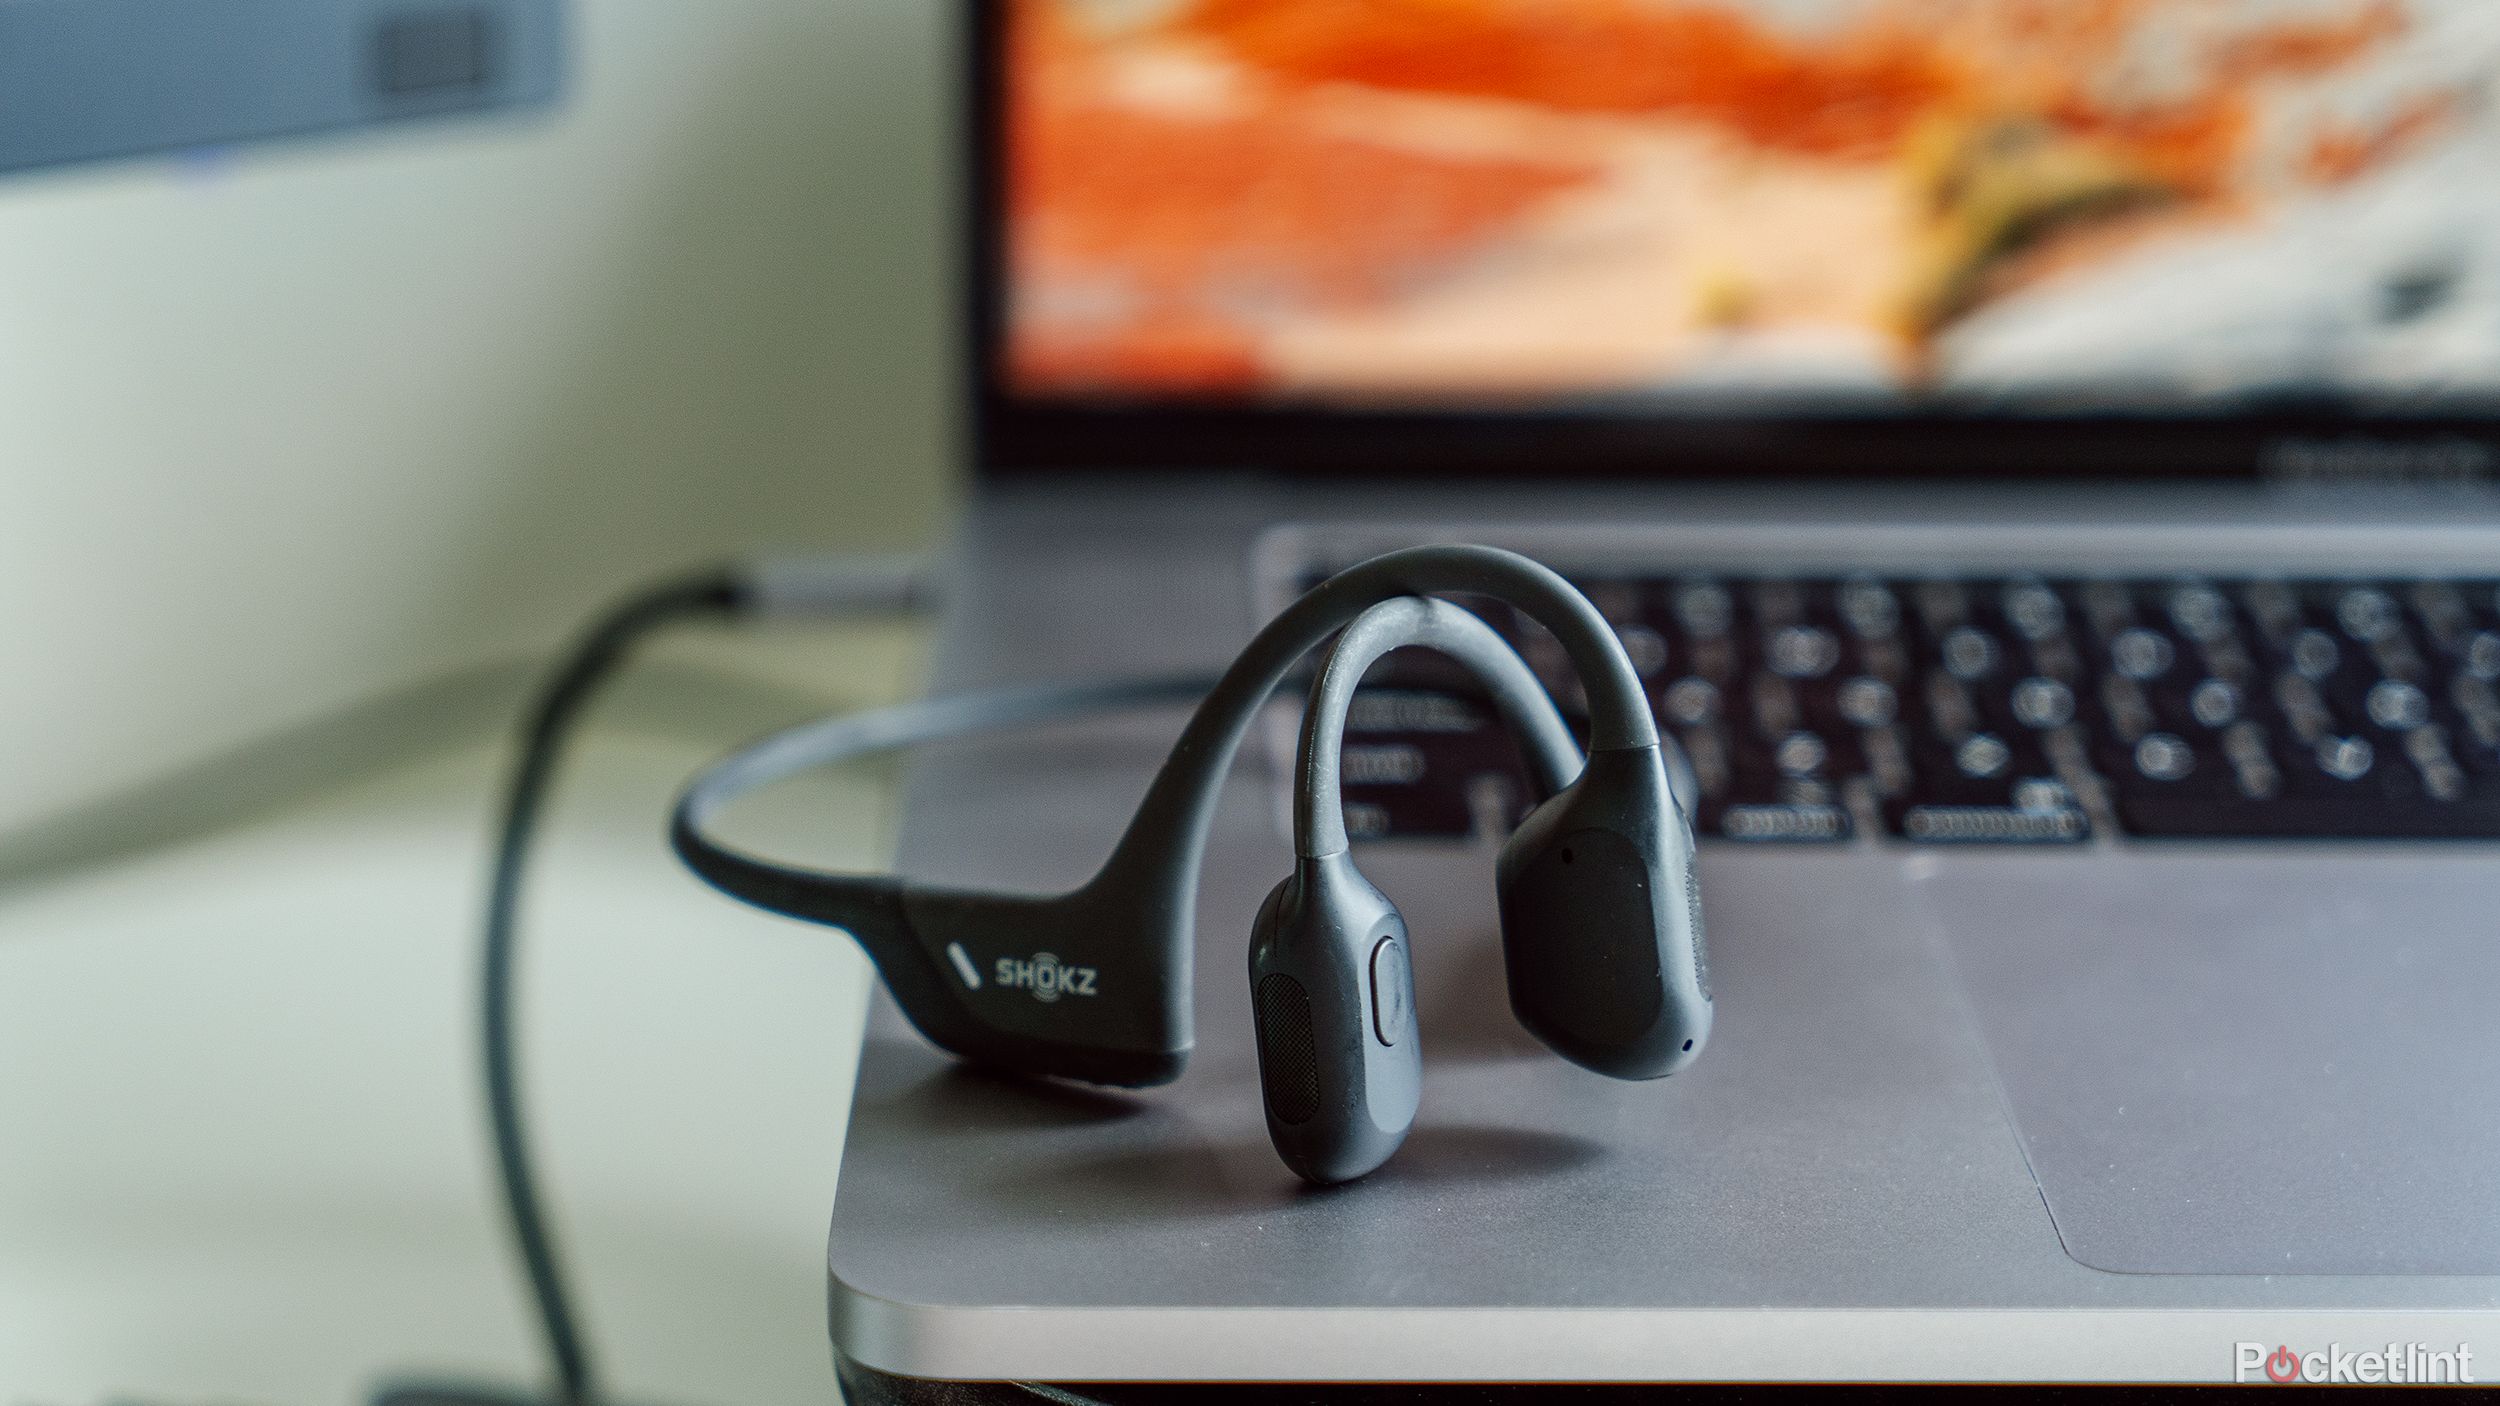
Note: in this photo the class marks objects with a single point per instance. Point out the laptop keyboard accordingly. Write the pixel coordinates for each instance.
(1997, 711)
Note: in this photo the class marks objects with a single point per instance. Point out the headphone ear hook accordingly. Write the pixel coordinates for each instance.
(1331, 975)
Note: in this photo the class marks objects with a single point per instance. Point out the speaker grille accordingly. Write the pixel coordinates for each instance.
(1288, 1055)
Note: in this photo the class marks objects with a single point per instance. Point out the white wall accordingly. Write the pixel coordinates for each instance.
(315, 420)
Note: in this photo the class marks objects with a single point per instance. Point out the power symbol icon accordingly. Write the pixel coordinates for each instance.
(2282, 1365)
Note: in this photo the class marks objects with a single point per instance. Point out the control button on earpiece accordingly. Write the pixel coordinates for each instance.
(1393, 992)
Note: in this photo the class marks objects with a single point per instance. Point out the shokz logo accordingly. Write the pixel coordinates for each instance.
(2401, 1363)
(1045, 976)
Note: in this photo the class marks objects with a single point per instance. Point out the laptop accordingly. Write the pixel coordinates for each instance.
(2040, 459)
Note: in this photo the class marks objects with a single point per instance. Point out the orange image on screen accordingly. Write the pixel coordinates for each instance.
(1538, 199)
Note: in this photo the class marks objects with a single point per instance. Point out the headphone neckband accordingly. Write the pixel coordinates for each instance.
(953, 958)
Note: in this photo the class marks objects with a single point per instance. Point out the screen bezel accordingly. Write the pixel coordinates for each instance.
(2315, 438)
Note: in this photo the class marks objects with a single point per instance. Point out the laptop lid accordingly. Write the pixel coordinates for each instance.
(1762, 237)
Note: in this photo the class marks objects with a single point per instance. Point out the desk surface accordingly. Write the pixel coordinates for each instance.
(245, 1154)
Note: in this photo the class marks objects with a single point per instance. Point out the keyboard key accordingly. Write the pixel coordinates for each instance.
(2162, 757)
(2252, 762)
(1970, 654)
(1993, 825)
(1801, 754)
(1803, 652)
(2214, 703)
(2043, 703)
(1951, 711)
(1868, 702)
(1941, 605)
(2398, 706)
(2315, 654)
(2346, 758)
(2482, 656)
(1775, 712)
(2303, 707)
(2108, 605)
(2367, 614)
(2475, 699)
(1869, 609)
(1704, 609)
(2141, 654)
(2200, 613)
(2129, 712)
(1691, 702)
(1982, 757)
(2034, 610)
(2276, 608)
(2444, 613)
(1784, 823)
(1645, 647)
(1777, 604)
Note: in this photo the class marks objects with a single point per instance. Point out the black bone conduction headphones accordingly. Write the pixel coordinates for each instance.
(1600, 912)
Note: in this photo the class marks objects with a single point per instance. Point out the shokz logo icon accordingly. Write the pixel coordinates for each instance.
(2400, 1363)
(1045, 976)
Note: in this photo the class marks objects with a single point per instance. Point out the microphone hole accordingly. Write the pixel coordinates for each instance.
(1566, 854)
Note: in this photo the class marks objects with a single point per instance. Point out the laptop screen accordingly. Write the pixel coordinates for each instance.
(2245, 224)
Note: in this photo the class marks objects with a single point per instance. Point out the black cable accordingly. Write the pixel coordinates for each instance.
(549, 723)
(810, 588)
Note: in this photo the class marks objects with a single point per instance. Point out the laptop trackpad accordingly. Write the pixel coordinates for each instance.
(2253, 1064)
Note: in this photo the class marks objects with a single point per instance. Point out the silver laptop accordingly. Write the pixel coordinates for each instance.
(2040, 457)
